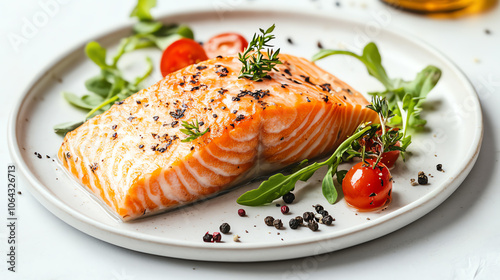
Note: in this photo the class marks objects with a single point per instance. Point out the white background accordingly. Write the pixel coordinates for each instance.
(458, 240)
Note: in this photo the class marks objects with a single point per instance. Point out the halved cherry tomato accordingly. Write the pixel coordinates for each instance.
(367, 188)
(388, 158)
(180, 54)
(225, 44)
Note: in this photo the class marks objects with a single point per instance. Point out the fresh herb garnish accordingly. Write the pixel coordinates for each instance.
(255, 64)
(110, 85)
(192, 130)
(404, 97)
(278, 185)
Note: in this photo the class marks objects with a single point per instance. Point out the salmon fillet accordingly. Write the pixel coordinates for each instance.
(132, 157)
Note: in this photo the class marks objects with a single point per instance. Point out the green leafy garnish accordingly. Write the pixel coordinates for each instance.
(255, 64)
(278, 185)
(110, 85)
(404, 97)
(192, 130)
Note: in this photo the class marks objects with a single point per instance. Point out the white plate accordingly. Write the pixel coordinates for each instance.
(453, 139)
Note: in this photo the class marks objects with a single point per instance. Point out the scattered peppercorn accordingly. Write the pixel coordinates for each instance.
(269, 221)
(300, 220)
(278, 223)
(207, 237)
(327, 220)
(225, 228)
(308, 216)
(241, 212)
(318, 208)
(285, 209)
(439, 167)
(217, 237)
(313, 226)
(323, 213)
(288, 197)
(318, 217)
(422, 178)
(236, 238)
(294, 224)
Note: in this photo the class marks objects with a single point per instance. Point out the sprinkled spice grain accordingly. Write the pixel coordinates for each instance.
(241, 212)
(289, 40)
(278, 224)
(308, 216)
(294, 224)
(207, 237)
(269, 221)
(225, 228)
(289, 198)
(327, 220)
(285, 209)
(217, 237)
(422, 178)
(320, 46)
(318, 208)
(439, 167)
(313, 226)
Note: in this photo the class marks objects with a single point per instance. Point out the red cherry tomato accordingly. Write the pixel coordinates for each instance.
(388, 158)
(366, 188)
(180, 54)
(225, 44)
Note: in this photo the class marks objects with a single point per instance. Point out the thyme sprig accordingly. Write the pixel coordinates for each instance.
(192, 130)
(255, 64)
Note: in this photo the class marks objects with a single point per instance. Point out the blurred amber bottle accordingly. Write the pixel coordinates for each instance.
(430, 6)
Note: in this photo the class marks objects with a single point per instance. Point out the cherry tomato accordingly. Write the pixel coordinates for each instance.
(225, 44)
(367, 188)
(388, 158)
(180, 54)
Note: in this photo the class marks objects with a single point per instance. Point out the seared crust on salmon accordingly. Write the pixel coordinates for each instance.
(133, 159)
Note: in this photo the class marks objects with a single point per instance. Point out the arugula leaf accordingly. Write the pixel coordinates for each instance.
(64, 128)
(142, 10)
(404, 97)
(328, 188)
(99, 85)
(147, 27)
(97, 54)
(75, 100)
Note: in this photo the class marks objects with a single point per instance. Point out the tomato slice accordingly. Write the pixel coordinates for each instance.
(180, 54)
(367, 188)
(225, 44)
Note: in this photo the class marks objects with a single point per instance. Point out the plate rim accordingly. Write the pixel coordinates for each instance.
(64, 212)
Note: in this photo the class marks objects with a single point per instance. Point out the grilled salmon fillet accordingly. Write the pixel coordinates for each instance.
(133, 159)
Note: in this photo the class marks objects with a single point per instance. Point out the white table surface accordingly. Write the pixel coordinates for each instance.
(458, 240)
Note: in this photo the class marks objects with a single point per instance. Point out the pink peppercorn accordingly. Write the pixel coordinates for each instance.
(217, 237)
(284, 209)
(241, 212)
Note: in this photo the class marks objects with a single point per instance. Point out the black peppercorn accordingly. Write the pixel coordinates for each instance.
(318, 208)
(289, 198)
(308, 216)
(225, 228)
(294, 224)
(207, 237)
(422, 178)
(269, 221)
(278, 223)
(300, 220)
(439, 167)
(313, 226)
(327, 220)
(323, 213)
